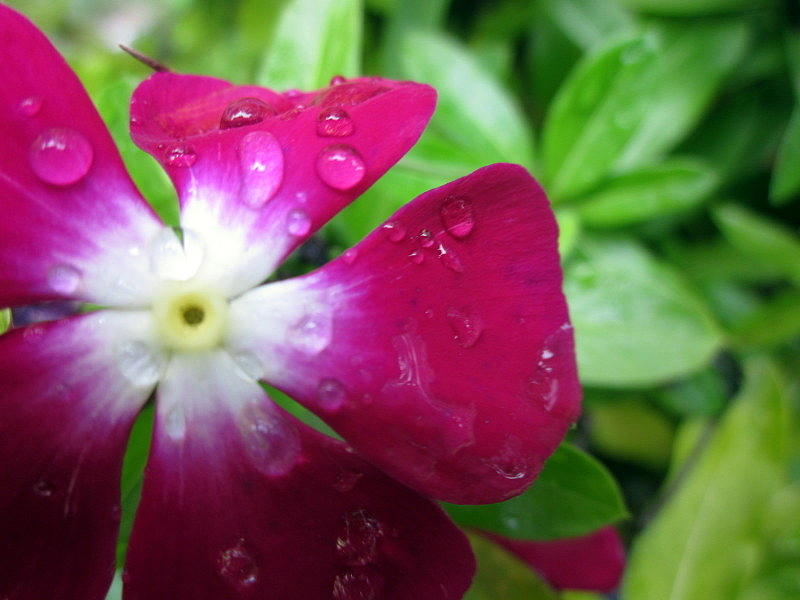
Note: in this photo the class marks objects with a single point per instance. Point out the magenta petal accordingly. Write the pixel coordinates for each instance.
(271, 168)
(69, 213)
(439, 347)
(242, 501)
(65, 414)
(592, 562)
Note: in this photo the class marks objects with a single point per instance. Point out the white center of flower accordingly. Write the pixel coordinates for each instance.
(189, 318)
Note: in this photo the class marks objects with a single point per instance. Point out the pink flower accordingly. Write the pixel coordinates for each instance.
(439, 347)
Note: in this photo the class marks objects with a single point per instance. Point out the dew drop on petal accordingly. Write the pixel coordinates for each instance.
(249, 364)
(457, 216)
(331, 394)
(340, 166)
(244, 111)
(334, 121)
(237, 567)
(350, 255)
(64, 279)
(272, 442)
(466, 327)
(61, 156)
(337, 80)
(312, 333)
(298, 223)
(262, 166)
(417, 257)
(346, 481)
(394, 231)
(510, 468)
(173, 259)
(357, 544)
(139, 363)
(425, 238)
(43, 488)
(354, 585)
(175, 423)
(449, 258)
(30, 107)
(180, 156)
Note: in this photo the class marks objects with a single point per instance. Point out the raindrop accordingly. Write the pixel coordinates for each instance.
(333, 121)
(245, 111)
(349, 256)
(331, 394)
(337, 80)
(175, 423)
(357, 544)
(449, 258)
(272, 442)
(298, 223)
(312, 334)
(394, 231)
(352, 585)
(509, 469)
(64, 279)
(43, 488)
(466, 327)
(340, 166)
(30, 107)
(237, 567)
(250, 365)
(139, 363)
(417, 257)
(180, 156)
(425, 238)
(347, 481)
(261, 163)
(457, 216)
(61, 156)
(173, 259)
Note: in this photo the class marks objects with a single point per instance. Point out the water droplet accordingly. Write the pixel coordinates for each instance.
(354, 585)
(333, 121)
(238, 567)
(139, 363)
(250, 365)
(425, 238)
(261, 163)
(509, 469)
(173, 259)
(331, 394)
(61, 156)
(43, 488)
(30, 107)
(244, 111)
(466, 327)
(349, 256)
(340, 166)
(346, 481)
(394, 231)
(449, 258)
(313, 333)
(457, 216)
(417, 257)
(64, 279)
(337, 80)
(175, 423)
(180, 156)
(271, 441)
(298, 223)
(33, 334)
(357, 544)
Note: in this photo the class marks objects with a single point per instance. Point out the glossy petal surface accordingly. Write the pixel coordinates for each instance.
(71, 217)
(439, 347)
(242, 501)
(270, 169)
(65, 413)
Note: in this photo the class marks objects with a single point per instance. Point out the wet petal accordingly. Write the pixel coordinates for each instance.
(440, 347)
(242, 501)
(67, 409)
(258, 172)
(71, 220)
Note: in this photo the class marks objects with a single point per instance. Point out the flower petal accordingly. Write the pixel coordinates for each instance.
(439, 347)
(258, 172)
(70, 218)
(66, 411)
(592, 562)
(242, 501)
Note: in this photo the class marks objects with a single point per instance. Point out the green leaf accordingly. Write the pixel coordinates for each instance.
(636, 322)
(775, 322)
(761, 238)
(589, 22)
(574, 495)
(315, 40)
(502, 576)
(5, 320)
(569, 231)
(785, 183)
(700, 394)
(671, 187)
(706, 540)
(681, 8)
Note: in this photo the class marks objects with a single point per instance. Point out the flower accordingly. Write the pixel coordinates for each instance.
(439, 347)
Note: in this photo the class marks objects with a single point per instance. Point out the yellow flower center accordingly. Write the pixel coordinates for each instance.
(190, 319)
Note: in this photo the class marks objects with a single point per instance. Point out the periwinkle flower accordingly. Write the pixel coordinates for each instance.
(439, 348)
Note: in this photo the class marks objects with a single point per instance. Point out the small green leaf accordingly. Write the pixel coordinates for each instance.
(685, 8)
(574, 495)
(502, 576)
(569, 231)
(5, 319)
(315, 40)
(636, 322)
(671, 187)
(785, 183)
(701, 394)
(589, 22)
(775, 322)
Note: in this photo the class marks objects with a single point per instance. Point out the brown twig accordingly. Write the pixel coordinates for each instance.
(146, 60)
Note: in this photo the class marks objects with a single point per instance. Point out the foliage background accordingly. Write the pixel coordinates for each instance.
(667, 133)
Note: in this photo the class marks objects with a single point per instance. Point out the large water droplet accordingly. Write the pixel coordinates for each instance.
(30, 107)
(510, 468)
(313, 333)
(180, 156)
(173, 259)
(61, 156)
(244, 111)
(340, 166)
(357, 544)
(249, 364)
(175, 423)
(261, 163)
(466, 327)
(298, 223)
(331, 394)
(449, 258)
(139, 363)
(354, 585)
(333, 121)
(457, 216)
(238, 567)
(272, 442)
(64, 279)
(394, 231)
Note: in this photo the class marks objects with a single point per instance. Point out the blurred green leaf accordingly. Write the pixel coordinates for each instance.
(5, 319)
(569, 231)
(502, 576)
(314, 40)
(786, 176)
(775, 322)
(574, 495)
(667, 188)
(636, 322)
(589, 22)
(695, 7)
(701, 394)
(706, 541)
